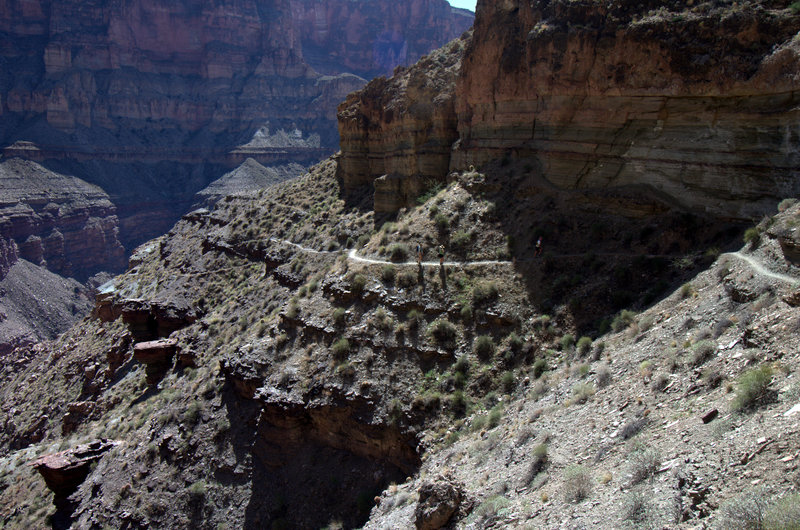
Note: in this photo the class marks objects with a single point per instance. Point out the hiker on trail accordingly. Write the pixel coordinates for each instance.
(441, 255)
(419, 254)
(538, 251)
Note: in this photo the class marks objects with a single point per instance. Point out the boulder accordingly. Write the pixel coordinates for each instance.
(438, 501)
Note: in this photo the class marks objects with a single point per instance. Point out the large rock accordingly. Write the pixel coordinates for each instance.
(438, 501)
(63, 472)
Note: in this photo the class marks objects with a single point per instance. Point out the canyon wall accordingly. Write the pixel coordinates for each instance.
(56, 221)
(694, 102)
(117, 92)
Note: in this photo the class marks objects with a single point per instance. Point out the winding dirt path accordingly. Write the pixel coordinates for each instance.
(761, 269)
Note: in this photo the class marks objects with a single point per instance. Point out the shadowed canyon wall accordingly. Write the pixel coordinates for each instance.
(695, 102)
(152, 101)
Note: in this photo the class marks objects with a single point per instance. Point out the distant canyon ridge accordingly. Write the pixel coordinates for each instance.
(152, 101)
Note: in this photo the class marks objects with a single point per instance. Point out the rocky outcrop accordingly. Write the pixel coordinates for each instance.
(157, 355)
(695, 103)
(397, 133)
(154, 101)
(438, 501)
(56, 221)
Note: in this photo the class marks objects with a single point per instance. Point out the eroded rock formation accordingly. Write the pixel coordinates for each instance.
(57, 221)
(153, 101)
(695, 103)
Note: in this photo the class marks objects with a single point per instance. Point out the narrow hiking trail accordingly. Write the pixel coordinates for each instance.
(761, 269)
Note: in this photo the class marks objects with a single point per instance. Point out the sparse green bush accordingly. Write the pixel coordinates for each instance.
(752, 236)
(414, 318)
(567, 341)
(442, 222)
(398, 252)
(753, 388)
(637, 508)
(197, 490)
(624, 319)
(490, 509)
(406, 279)
(602, 375)
(703, 351)
(515, 343)
(193, 412)
(785, 204)
(339, 316)
(388, 273)
(431, 189)
(784, 514)
(484, 347)
(508, 382)
(744, 512)
(484, 291)
(577, 483)
(584, 345)
(341, 348)
(357, 283)
(581, 392)
(462, 365)
(539, 367)
(643, 464)
(460, 241)
(442, 332)
(495, 415)
(466, 311)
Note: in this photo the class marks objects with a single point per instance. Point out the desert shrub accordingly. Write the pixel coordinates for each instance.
(508, 381)
(292, 311)
(442, 332)
(357, 283)
(753, 388)
(752, 236)
(197, 490)
(442, 222)
(407, 279)
(642, 464)
(659, 382)
(341, 348)
(462, 365)
(687, 290)
(514, 342)
(490, 509)
(703, 351)
(484, 347)
(633, 427)
(539, 367)
(388, 274)
(466, 311)
(784, 514)
(744, 512)
(567, 341)
(637, 508)
(460, 241)
(383, 320)
(538, 462)
(414, 316)
(495, 415)
(339, 316)
(602, 375)
(484, 292)
(584, 345)
(623, 319)
(398, 252)
(785, 204)
(577, 483)
(431, 189)
(193, 412)
(458, 403)
(581, 392)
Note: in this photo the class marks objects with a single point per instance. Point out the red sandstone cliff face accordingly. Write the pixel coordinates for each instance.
(696, 102)
(59, 222)
(397, 133)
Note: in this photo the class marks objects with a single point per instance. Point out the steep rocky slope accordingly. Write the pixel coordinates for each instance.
(152, 102)
(268, 363)
(693, 101)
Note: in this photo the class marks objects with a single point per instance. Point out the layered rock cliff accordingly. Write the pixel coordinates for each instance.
(695, 102)
(124, 94)
(59, 222)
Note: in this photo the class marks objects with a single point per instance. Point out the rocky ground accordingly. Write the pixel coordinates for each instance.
(309, 373)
